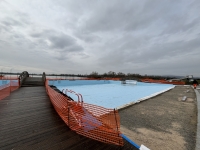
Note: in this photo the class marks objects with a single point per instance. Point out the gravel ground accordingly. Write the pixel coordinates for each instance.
(164, 122)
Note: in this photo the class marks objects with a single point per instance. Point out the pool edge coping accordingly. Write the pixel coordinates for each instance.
(144, 98)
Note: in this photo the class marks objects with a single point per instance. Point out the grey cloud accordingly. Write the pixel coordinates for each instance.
(147, 53)
(87, 37)
(175, 65)
(117, 15)
(36, 35)
(166, 50)
(84, 56)
(60, 57)
(180, 24)
(151, 37)
(17, 20)
(61, 41)
(73, 48)
(3, 28)
(67, 55)
(153, 17)
(11, 22)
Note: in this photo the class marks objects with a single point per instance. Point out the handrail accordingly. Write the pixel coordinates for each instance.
(22, 77)
(80, 97)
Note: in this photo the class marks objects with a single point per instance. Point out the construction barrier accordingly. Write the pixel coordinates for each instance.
(88, 120)
(163, 81)
(6, 89)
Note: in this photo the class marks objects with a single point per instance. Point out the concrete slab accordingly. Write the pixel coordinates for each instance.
(163, 122)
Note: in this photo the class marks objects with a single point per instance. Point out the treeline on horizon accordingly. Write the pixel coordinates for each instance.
(128, 76)
(110, 74)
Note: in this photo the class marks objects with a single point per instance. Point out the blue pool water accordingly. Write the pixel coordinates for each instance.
(109, 94)
(3, 82)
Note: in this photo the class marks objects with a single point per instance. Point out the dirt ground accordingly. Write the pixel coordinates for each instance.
(164, 122)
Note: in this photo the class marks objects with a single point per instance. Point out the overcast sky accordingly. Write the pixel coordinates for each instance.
(160, 37)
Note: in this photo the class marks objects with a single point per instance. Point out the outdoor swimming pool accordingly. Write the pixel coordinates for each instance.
(110, 94)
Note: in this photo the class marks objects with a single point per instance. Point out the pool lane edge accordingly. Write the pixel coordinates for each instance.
(144, 98)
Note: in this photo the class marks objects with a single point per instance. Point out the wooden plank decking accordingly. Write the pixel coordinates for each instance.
(29, 121)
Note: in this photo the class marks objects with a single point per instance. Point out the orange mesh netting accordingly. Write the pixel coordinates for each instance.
(86, 119)
(6, 89)
(163, 81)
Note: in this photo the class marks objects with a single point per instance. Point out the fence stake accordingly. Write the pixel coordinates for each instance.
(68, 116)
(116, 124)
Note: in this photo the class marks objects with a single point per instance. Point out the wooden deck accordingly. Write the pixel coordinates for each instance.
(29, 121)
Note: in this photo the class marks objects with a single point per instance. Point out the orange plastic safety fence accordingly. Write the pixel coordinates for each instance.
(88, 120)
(6, 89)
(163, 81)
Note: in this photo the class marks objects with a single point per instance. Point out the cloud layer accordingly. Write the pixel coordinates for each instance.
(148, 37)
